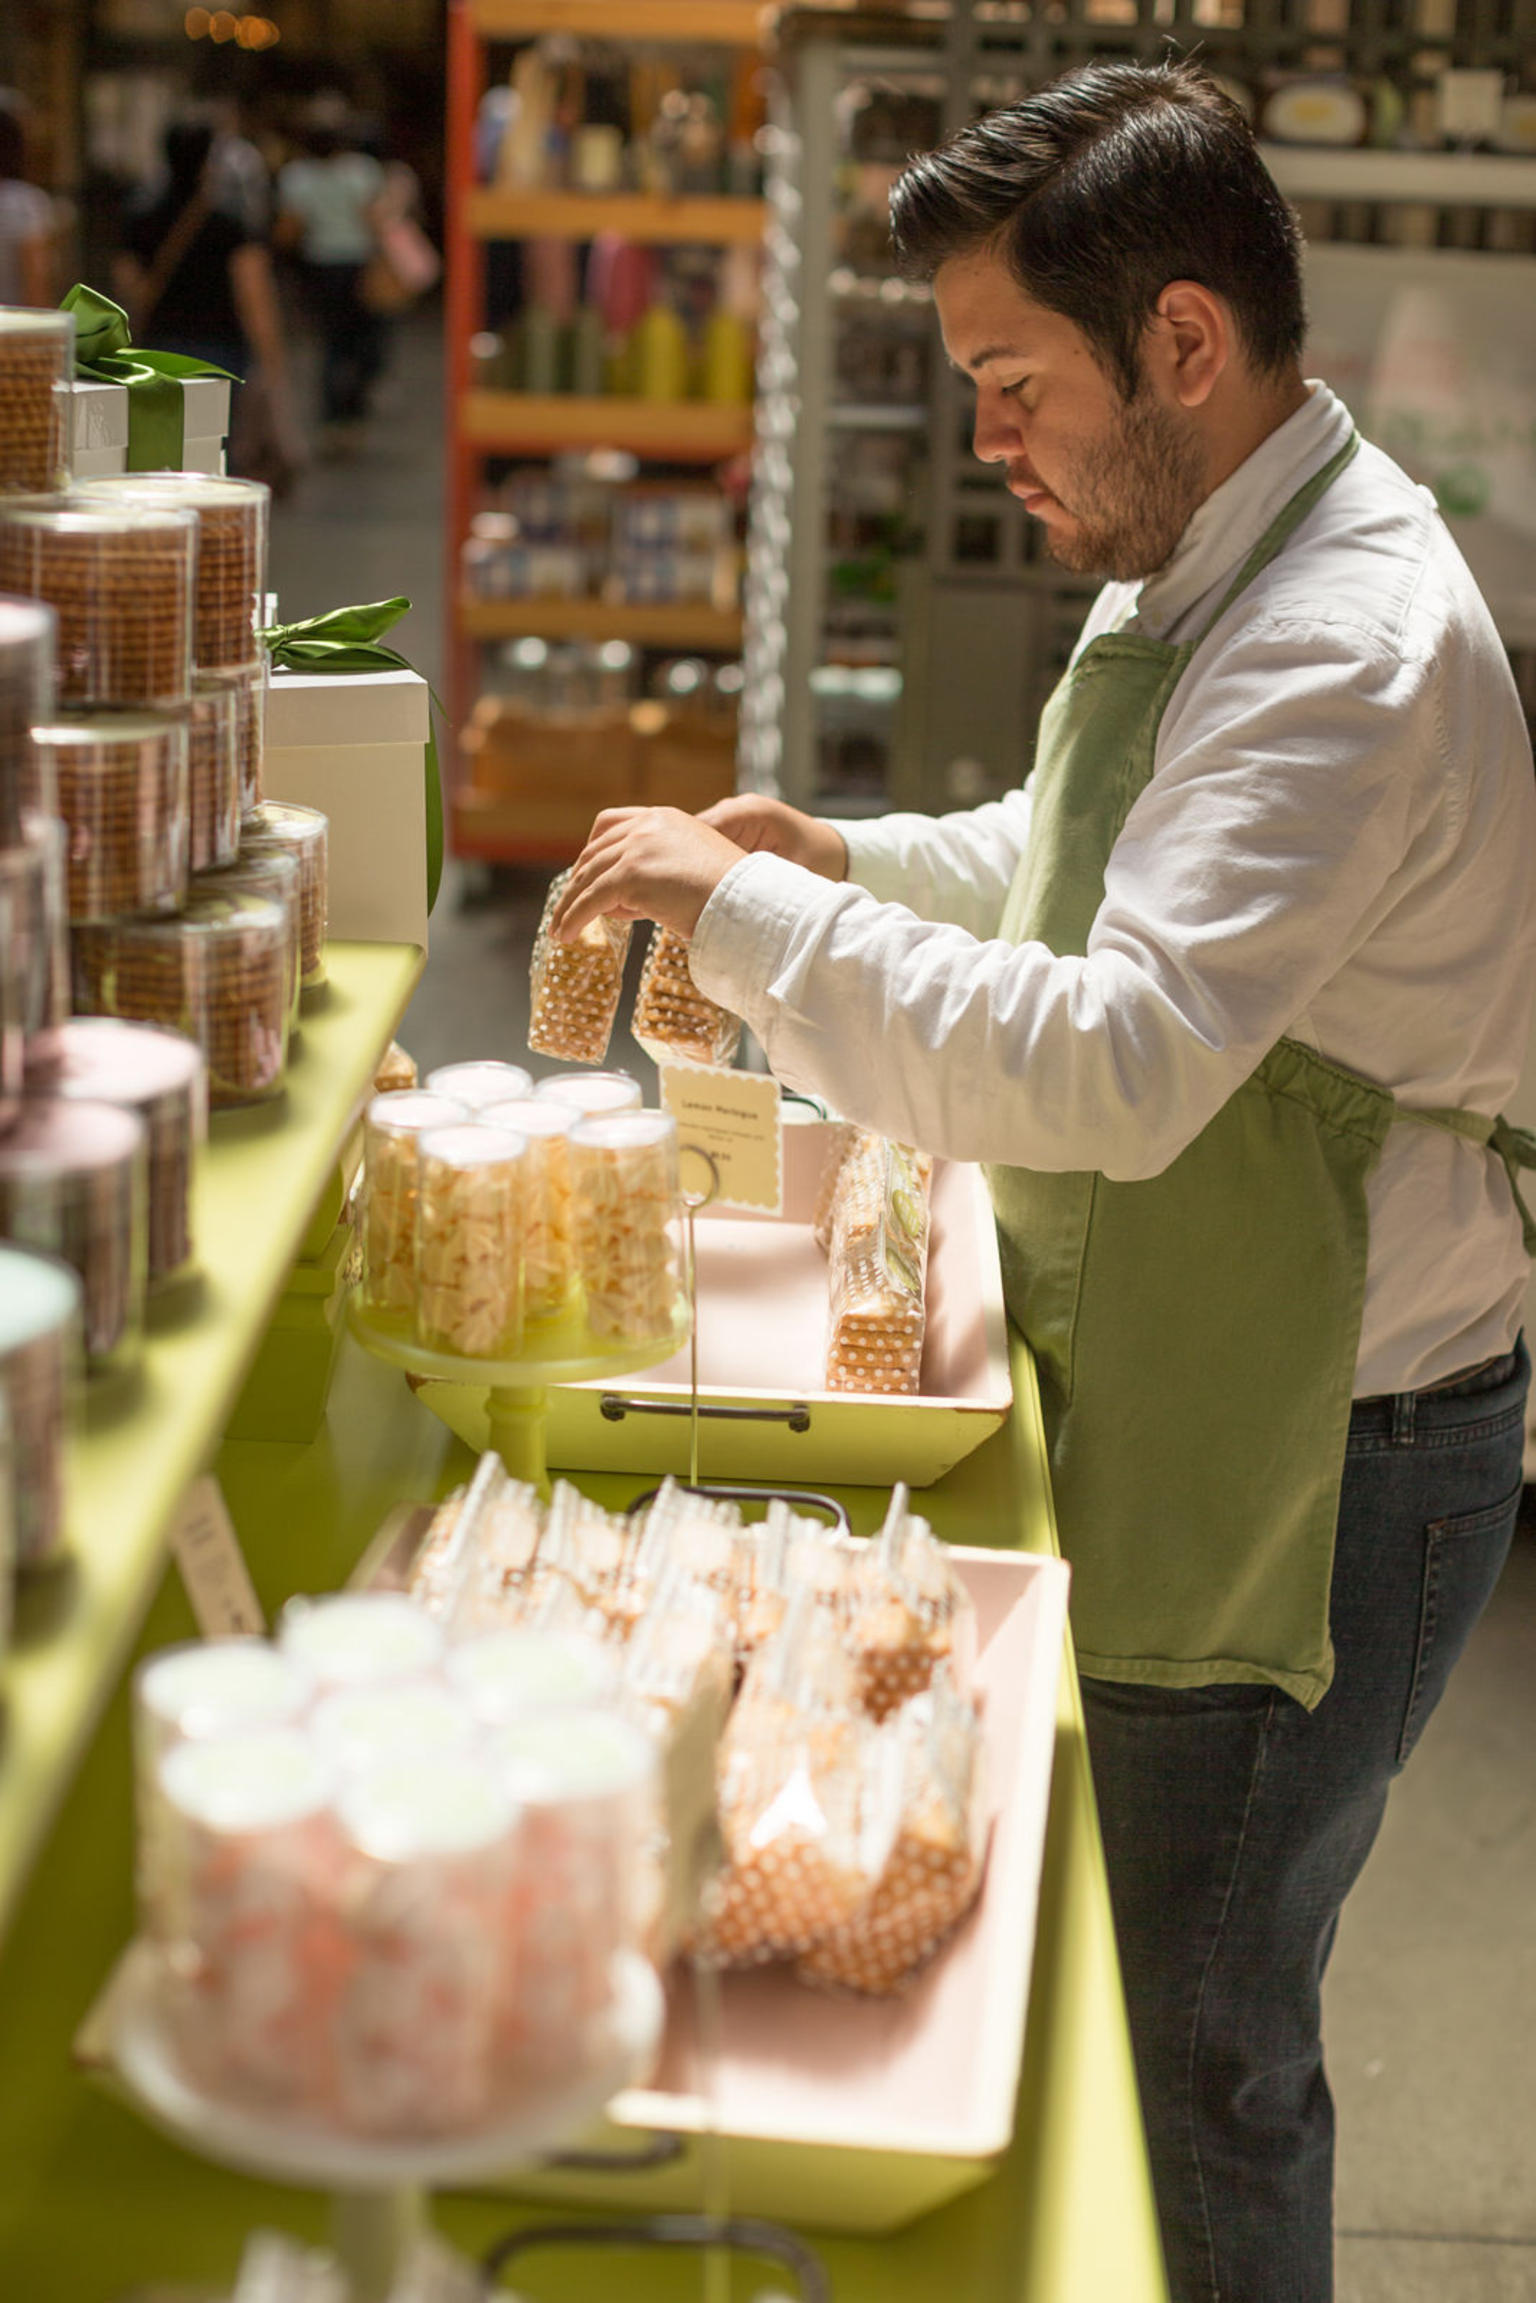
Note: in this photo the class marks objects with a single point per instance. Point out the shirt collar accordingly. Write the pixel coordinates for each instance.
(1234, 516)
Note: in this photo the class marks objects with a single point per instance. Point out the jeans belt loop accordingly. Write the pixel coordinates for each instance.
(1403, 1405)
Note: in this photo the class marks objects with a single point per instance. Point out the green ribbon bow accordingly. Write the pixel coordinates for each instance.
(350, 640)
(156, 405)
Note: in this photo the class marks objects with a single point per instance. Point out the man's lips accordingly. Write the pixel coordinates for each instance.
(1030, 493)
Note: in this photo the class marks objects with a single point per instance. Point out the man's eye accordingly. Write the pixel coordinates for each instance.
(1016, 391)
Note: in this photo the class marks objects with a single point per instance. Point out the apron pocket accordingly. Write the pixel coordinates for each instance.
(1463, 1559)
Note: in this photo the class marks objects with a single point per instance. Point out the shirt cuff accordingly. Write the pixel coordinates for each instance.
(744, 929)
(874, 861)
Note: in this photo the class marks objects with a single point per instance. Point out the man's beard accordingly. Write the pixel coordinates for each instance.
(1133, 495)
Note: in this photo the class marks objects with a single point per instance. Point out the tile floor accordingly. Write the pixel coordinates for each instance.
(1431, 2000)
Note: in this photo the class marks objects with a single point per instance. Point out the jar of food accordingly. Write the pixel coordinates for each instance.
(232, 518)
(624, 1186)
(34, 923)
(162, 1076)
(588, 1093)
(277, 877)
(120, 582)
(479, 1084)
(214, 739)
(37, 360)
(217, 971)
(393, 1126)
(549, 1248)
(73, 1184)
(26, 700)
(469, 1241)
(120, 786)
(41, 1304)
(278, 827)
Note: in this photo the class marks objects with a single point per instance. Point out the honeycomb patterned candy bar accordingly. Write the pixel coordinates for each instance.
(575, 987)
(673, 1021)
(878, 1253)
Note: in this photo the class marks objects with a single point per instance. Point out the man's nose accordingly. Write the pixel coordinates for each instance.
(996, 433)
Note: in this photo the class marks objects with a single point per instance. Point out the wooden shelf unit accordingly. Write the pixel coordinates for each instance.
(483, 424)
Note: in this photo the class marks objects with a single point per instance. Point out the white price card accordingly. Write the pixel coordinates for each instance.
(213, 1566)
(737, 1119)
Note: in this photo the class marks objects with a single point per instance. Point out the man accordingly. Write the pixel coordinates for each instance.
(1229, 997)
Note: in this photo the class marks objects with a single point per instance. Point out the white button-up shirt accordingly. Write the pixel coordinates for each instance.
(1337, 843)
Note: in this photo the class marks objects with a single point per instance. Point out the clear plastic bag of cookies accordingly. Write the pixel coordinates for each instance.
(575, 987)
(673, 1021)
(911, 1612)
(697, 1535)
(594, 1551)
(933, 1873)
(878, 1269)
(479, 1550)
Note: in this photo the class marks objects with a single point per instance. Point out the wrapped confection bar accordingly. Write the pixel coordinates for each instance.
(232, 518)
(120, 583)
(34, 929)
(358, 1728)
(360, 1639)
(512, 1673)
(37, 360)
(479, 1568)
(575, 987)
(160, 1075)
(586, 1786)
(680, 1653)
(479, 1085)
(241, 1886)
(41, 1305)
(119, 782)
(277, 826)
(469, 1232)
(214, 739)
(911, 1612)
(428, 1855)
(73, 1185)
(392, 1128)
(549, 1248)
(877, 1269)
(809, 1795)
(595, 1552)
(396, 1073)
(673, 1021)
(191, 1693)
(276, 879)
(697, 1536)
(933, 1873)
(624, 1192)
(590, 1094)
(26, 701)
(217, 971)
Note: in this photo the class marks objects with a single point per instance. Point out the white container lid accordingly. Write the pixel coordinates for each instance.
(110, 1060)
(470, 1145)
(414, 1809)
(38, 1298)
(362, 1727)
(360, 1638)
(592, 1091)
(505, 1675)
(409, 1110)
(479, 1084)
(246, 1783)
(533, 1116)
(624, 1131)
(556, 1759)
(57, 1136)
(221, 1687)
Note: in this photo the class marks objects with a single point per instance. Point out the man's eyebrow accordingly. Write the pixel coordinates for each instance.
(988, 353)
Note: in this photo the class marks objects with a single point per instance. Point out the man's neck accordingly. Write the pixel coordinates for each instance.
(1236, 430)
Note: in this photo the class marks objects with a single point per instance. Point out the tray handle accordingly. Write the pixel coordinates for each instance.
(614, 1406)
(746, 2234)
(661, 2148)
(809, 1497)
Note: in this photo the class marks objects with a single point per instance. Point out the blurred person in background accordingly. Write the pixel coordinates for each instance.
(194, 279)
(28, 238)
(327, 203)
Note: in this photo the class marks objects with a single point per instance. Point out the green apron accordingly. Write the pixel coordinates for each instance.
(1196, 1334)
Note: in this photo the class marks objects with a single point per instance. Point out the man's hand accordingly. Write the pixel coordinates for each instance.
(645, 864)
(756, 823)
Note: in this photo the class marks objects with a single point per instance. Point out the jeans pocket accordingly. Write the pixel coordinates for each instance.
(1463, 1558)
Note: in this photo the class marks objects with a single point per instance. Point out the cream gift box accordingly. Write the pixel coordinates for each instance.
(354, 746)
(98, 429)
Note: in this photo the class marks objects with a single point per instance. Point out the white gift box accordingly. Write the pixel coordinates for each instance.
(98, 429)
(354, 746)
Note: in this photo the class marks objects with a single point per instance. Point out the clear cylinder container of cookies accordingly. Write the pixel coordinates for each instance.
(37, 361)
(589, 1093)
(162, 1076)
(469, 1241)
(278, 827)
(213, 772)
(356, 1728)
(232, 521)
(119, 781)
(26, 700)
(73, 1184)
(119, 579)
(360, 1639)
(34, 928)
(247, 690)
(509, 1673)
(549, 1246)
(41, 1317)
(276, 877)
(217, 971)
(574, 988)
(393, 1126)
(624, 1184)
(479, 1084)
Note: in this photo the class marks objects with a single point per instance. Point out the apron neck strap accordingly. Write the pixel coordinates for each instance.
(1281, 529)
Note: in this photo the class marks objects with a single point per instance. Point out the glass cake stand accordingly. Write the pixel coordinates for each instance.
(516, 1391)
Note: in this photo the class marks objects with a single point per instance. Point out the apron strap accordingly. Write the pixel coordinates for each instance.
(1277, 536)
(1515, 1146)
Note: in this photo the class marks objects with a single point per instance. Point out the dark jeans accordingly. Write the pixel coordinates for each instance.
(351, 341)
(1235, 1823)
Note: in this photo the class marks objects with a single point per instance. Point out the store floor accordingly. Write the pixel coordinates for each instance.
(1431, 1998)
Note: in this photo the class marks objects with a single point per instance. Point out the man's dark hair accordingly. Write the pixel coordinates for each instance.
(1097, 191)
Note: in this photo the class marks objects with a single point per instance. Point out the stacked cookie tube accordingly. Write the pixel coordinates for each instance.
(872, 1225)
(392, 1882)
(493, 1207)
(851, 1800)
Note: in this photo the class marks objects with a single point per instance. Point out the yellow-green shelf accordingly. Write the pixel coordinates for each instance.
(256, 1188)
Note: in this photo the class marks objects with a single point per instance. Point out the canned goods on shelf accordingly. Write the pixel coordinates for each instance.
(37, 360)
(279, 827)
(232, 521)
(40, 1328)
(120, 583)
(162, 1076)
(26, 699)
(119, 781)
(73, 1185)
